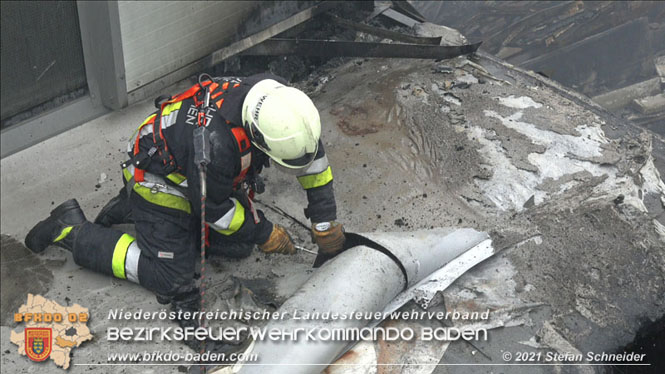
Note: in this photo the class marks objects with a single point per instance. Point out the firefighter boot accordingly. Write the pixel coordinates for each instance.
(57, 228)
(94, 247)
(117, 211)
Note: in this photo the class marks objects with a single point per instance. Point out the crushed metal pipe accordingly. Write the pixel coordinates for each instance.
(361, 279)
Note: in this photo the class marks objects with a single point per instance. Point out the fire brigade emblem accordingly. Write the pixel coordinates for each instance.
(38, 343)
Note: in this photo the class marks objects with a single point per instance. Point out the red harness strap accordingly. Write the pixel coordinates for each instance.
(244, 145)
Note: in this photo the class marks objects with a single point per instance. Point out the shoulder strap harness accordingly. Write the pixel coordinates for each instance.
(160, 150)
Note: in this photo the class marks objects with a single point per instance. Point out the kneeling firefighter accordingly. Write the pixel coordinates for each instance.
(250, 121)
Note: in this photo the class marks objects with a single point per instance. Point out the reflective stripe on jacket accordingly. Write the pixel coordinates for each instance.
(156, 190)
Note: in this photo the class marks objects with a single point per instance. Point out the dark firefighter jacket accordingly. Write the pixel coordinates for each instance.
(226, 211)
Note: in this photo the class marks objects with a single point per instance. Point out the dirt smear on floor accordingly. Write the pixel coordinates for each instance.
(22, 272)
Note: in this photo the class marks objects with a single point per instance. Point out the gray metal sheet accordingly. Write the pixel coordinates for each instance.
(336, 48)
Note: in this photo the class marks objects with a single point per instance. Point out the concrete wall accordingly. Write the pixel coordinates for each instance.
(133, 50)
(160, 37)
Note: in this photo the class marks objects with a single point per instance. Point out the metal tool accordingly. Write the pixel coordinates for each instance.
(301, 248)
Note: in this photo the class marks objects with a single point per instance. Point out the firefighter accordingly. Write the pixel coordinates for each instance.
(252, 121)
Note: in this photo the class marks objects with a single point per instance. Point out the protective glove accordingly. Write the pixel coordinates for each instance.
(278, 242)
(329, 236)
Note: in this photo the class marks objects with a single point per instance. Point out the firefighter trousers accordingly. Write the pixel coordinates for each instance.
(162, 257)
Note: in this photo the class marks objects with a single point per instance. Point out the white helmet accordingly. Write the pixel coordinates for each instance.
(282, 122)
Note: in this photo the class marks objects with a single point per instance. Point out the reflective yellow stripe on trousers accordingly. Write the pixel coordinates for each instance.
(125, 261)
(119, 256)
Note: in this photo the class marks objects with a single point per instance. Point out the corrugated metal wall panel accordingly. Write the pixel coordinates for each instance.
(160, 37)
